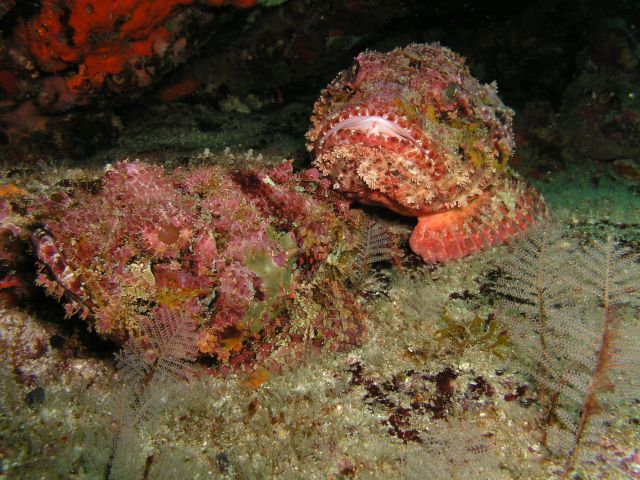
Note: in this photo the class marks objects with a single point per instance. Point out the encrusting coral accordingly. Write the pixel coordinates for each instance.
(241, 254)
(103, 39)
(65, 55)
(411, 130)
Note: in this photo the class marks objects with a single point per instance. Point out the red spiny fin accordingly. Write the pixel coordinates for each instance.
(492, 218)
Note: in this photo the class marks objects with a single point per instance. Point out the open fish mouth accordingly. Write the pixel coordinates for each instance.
(375, 126)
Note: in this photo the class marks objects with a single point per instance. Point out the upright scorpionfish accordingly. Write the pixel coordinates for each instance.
(411, 130)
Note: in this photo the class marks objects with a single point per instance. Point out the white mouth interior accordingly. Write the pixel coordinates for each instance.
(372, 125)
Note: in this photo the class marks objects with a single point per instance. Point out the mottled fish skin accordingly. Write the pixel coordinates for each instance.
(491, 219)
(53, 259)
(411, 130)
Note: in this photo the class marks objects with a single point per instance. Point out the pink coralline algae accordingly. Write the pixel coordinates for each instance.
(240, 254)
(411, 130)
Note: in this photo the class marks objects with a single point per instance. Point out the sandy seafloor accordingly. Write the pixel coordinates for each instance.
(335, 416)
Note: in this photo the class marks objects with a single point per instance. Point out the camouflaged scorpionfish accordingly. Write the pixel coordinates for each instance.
(411, 130)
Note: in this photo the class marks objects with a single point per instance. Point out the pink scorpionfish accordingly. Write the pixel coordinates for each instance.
(411, 130)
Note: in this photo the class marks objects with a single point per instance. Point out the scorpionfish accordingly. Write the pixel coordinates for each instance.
(413, 131)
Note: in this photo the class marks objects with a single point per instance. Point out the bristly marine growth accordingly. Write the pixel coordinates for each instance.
(573, 316)
(375, 245)
(153, 369)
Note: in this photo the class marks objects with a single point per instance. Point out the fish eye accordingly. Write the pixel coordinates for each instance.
(355, 68)
(350, 74)
(450, 91)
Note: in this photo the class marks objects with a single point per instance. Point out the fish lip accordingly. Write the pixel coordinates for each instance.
(371, 124)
